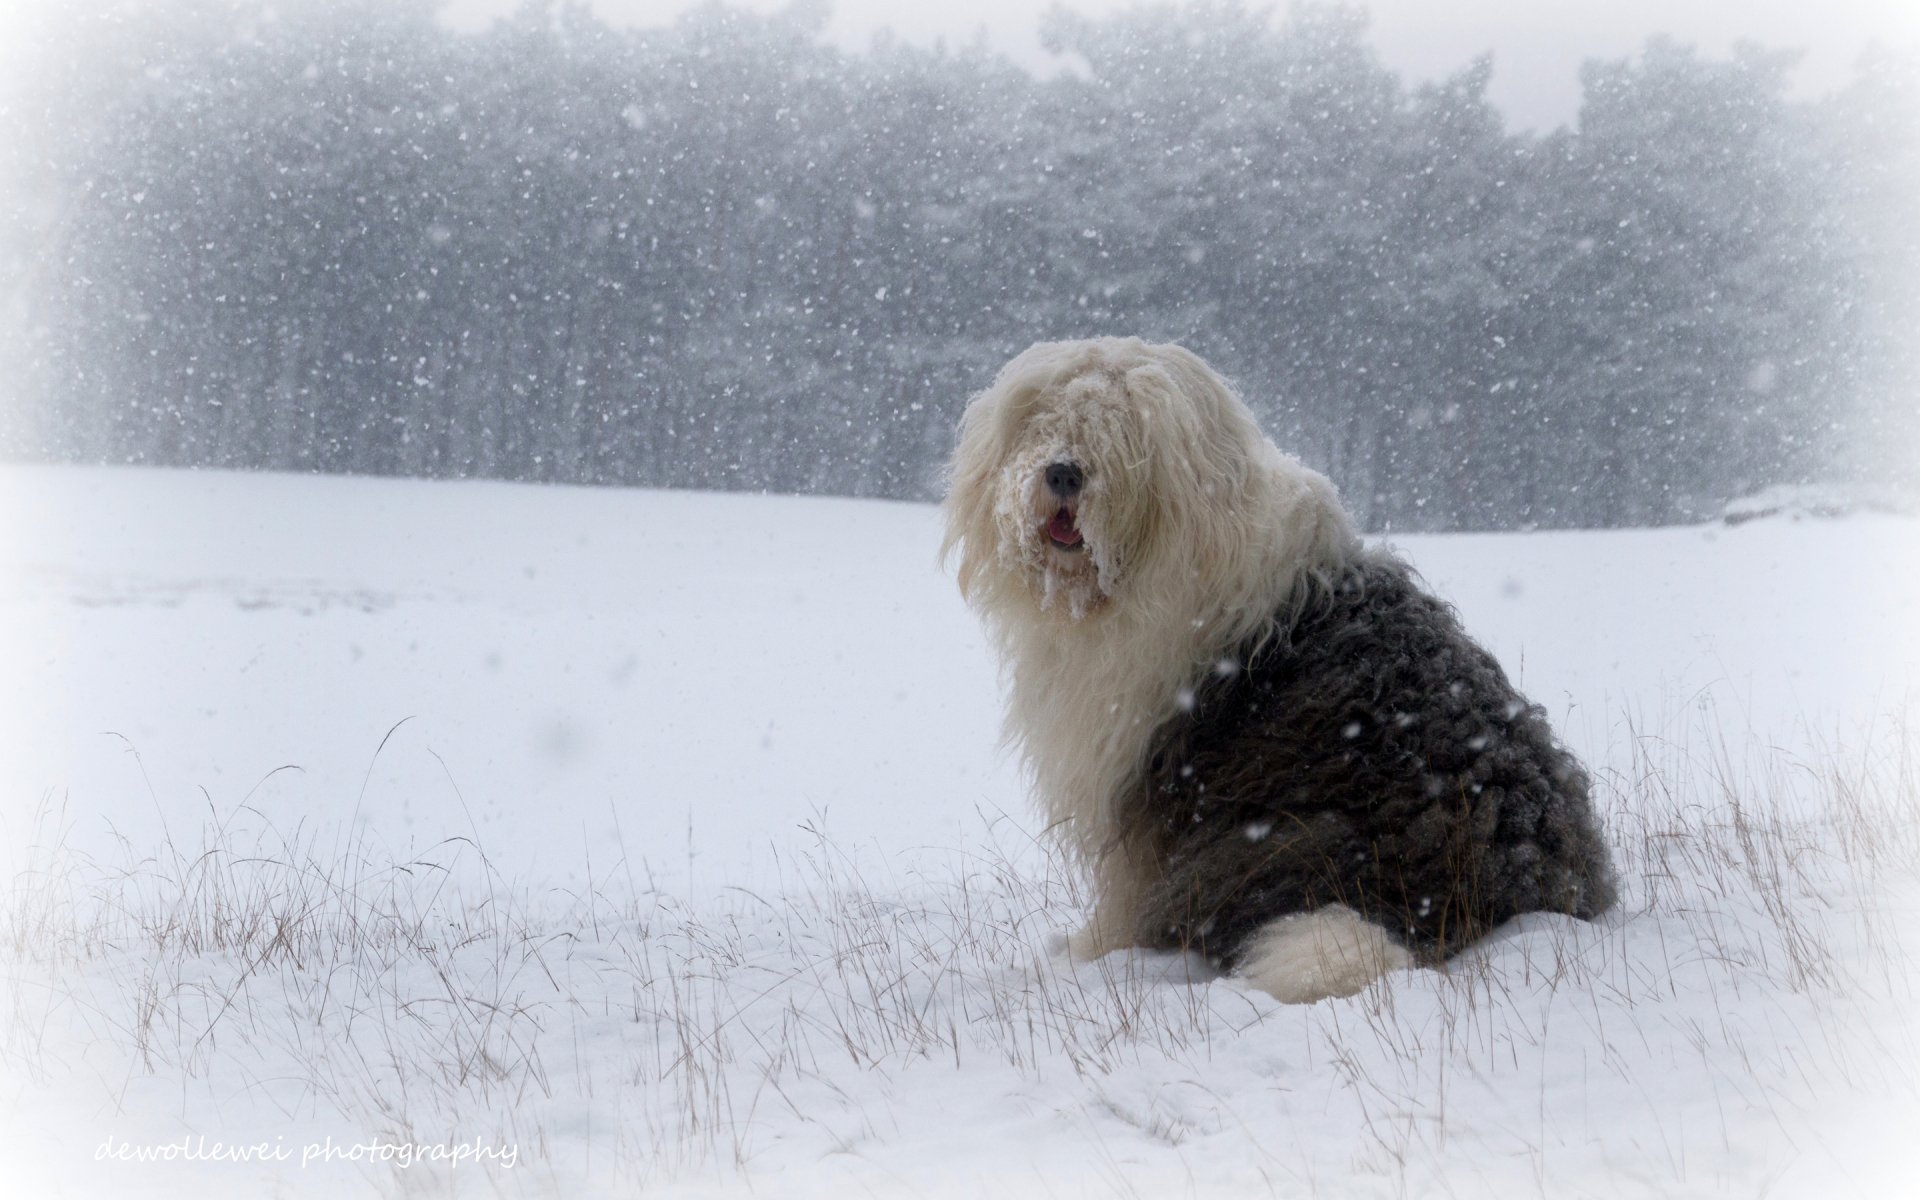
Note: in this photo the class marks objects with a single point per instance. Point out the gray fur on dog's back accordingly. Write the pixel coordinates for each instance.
(1369, 754)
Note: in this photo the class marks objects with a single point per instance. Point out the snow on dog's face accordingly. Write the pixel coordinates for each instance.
(1091, 472)
(1061, 513)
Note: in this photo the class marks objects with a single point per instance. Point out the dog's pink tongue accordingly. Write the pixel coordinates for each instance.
(1061, 529)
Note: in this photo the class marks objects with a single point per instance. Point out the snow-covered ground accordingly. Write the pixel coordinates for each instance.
(660, 842)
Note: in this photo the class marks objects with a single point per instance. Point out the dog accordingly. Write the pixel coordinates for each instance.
(1265, 741)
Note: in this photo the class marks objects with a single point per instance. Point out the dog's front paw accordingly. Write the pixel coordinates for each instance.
(1091, 941)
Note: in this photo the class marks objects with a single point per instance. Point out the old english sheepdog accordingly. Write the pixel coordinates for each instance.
(1265, 741)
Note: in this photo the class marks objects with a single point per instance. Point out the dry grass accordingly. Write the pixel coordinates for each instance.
(414, 997)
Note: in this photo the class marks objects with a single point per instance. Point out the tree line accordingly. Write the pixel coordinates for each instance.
(724, 254)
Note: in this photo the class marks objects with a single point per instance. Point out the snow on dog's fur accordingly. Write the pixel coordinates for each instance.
(1264, 740)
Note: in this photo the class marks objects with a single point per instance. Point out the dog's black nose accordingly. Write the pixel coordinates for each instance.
(1063, 480)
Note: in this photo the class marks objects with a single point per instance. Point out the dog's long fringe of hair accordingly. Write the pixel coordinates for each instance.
(1203, 534)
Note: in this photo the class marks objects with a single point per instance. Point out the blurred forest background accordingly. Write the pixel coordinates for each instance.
(341, 237)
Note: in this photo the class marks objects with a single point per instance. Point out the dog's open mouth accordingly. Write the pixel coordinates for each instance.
(1062, 531)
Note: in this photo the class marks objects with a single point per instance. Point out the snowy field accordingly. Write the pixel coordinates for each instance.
(641, 843)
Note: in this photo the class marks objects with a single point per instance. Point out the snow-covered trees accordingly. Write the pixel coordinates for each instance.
(340, 237)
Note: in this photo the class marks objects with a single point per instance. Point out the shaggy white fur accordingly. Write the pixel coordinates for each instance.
(1332, 951)
(1196, 531)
